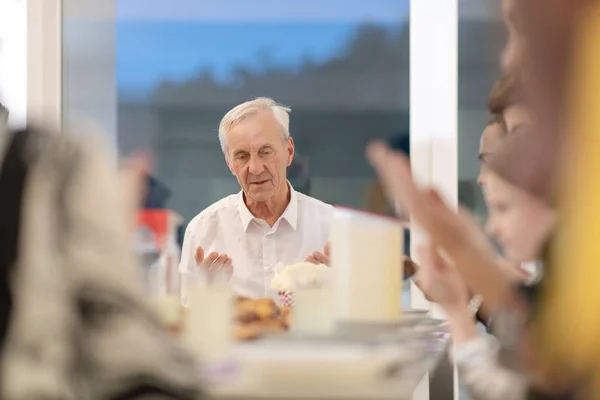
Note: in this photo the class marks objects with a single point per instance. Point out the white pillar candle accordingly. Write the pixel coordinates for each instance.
(313, 310)
(366, 255)
(209, 328)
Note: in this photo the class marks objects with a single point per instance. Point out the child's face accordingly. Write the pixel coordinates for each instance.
(520, 222)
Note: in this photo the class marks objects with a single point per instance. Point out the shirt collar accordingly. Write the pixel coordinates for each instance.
(290, 214)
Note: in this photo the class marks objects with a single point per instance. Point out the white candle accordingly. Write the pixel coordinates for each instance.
(366, 255)
(313, 310)
(209, 328)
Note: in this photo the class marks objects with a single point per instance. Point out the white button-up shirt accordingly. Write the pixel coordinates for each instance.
(255, 248)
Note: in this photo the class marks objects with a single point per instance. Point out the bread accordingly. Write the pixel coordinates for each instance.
(257, 317)
(249, 331)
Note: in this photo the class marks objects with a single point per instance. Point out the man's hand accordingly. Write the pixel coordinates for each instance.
(451, 231)
(320, 258)
(213, 262)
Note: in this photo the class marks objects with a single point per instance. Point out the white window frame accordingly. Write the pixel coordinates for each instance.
(44, 62)
(433, 120)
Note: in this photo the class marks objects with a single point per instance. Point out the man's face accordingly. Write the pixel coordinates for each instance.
(491, 138)
(258, 157)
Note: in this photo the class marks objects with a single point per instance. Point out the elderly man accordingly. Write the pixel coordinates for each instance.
(267, 223)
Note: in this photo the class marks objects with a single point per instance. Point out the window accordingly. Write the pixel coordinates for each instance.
(342, 66)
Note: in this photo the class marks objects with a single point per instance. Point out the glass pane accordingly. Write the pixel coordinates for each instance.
(89, 84)
(341, 66)
(481, 34)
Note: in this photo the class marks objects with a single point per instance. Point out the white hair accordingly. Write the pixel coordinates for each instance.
(250, 108)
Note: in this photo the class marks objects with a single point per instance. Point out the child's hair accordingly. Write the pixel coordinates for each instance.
(506, 92)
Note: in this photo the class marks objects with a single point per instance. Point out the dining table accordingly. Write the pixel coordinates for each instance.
(358, 361)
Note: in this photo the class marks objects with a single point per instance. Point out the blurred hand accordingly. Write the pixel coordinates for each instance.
(458, 234)
(320, 258)
(213, 262)
(513, 270)
(446, 228)
(441, 282)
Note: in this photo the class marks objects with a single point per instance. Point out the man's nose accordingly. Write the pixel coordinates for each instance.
(255, 165)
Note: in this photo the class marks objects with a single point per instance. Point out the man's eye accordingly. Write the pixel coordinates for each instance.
(266, 152)
(241, 156)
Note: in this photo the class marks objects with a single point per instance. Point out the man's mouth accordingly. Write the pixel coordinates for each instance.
(259, 182)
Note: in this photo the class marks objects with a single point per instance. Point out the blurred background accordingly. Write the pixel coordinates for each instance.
(159, 75)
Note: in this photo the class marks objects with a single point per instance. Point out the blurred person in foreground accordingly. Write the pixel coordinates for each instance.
(521, 223)
(571, 295)
(535, 161)
(561, 42)
(468, 249)
(268, 222)
(510, 116)
(74, 322)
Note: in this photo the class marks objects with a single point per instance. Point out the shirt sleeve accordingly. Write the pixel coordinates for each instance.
(481, 373)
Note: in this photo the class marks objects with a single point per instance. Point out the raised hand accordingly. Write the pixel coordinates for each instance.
(440, 282)
(457, 233)
(320, 258)
(213, 262)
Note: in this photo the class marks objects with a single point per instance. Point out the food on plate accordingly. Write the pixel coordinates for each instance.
(266, 308)
(287, 280)
(245, 313)
(257, 317)
(249, 331)
(253, 318)
(302, 274)
(286, 316)
(273, 325)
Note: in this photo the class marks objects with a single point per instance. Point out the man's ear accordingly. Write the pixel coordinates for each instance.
(291, 151)
(229, 164)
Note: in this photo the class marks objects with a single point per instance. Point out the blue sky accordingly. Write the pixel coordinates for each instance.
(174, 39)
